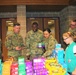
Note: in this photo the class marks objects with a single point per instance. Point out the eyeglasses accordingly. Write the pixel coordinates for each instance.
(66, 38)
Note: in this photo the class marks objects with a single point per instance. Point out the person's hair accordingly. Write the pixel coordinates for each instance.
(47, 29)
(67, 34)
(16, 24)
(35, 23)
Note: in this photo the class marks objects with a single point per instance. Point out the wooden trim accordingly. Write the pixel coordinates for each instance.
(57, 30)
(4, 30)
(34, 2)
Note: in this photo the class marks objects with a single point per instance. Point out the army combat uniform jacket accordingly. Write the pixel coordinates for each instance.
(49, 45)
(32, 40)
(72, 30)
(12, 41)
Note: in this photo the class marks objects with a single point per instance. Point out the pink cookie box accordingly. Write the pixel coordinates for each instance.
(14, 70)
(14, 65)
(14, 73)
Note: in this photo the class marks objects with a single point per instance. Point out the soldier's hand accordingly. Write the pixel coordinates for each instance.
(22, 48)
(18, 48)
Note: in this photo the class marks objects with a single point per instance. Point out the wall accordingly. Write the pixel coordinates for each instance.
(42, 14)
(8, 15)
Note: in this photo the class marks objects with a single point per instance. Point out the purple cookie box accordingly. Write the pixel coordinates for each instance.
(38, 67)
(28, 64)
(29, 73)
(29, 70)
(41, 70)
(38, 60)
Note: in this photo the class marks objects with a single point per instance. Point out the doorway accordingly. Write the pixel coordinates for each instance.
(52, 23)
(5, 23)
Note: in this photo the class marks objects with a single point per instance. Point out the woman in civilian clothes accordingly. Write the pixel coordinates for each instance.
(70, 53)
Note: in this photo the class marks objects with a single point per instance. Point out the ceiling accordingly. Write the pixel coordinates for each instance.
(36, 8)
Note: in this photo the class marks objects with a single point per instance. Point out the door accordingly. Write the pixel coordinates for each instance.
(53, 24)
(5, 22)
(29, 22)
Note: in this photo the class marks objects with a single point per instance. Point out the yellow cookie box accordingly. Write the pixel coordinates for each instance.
(6, 67)
(51, 60)
(54, 68)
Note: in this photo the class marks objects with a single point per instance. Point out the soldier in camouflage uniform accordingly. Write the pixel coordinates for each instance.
(33, 38)
(74, 35)
(0, 49)
(14, 42)
(72, 26)
(49, 42)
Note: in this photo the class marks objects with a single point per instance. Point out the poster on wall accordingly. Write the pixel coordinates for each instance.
(9, 27)
(51, 25)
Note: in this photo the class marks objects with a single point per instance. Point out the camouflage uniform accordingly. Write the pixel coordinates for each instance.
(49, 45)
(72, 30)
(0, 48)
(12, 41)
(32, 39)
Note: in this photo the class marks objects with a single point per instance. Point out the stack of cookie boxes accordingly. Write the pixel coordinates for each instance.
(21, 66)
(39, 66)
(29, 67)
(54, 68)
(14, 68)
(6, 67)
